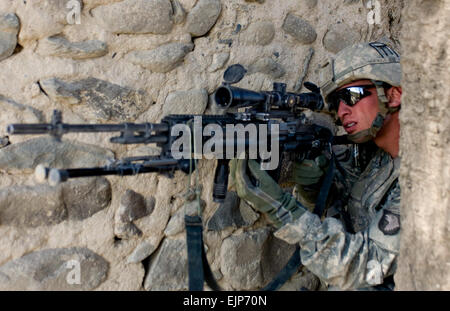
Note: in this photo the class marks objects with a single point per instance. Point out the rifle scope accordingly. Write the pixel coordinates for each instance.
(228, 96)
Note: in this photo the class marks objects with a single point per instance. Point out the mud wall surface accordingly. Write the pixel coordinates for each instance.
(425, 173)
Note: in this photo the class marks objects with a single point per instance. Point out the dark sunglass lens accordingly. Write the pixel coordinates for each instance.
(356, 93)
(350, 96)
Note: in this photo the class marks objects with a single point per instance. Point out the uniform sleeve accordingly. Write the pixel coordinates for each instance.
(348, 261)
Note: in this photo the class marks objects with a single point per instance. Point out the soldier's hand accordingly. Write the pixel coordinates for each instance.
(259, 189)
(309, 172)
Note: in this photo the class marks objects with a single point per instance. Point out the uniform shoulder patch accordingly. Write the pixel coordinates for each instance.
(389, 223)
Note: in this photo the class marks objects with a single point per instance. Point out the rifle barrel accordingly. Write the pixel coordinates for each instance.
(84, 128)
(28, 128)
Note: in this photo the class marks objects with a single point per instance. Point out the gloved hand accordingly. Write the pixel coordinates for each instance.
(263, 193)
(309, 172)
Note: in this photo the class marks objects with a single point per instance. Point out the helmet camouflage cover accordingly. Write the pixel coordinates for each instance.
(373, 61)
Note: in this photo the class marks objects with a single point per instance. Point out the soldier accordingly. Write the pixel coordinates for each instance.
(361, 85)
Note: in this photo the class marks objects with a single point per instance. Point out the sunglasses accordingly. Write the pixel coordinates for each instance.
(350, 96)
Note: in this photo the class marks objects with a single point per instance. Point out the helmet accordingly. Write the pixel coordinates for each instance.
(373, 61)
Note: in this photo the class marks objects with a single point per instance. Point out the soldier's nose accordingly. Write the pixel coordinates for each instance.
(343, 110)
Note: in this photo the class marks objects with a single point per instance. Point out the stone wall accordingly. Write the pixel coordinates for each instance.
(425, 134)
(136, 61)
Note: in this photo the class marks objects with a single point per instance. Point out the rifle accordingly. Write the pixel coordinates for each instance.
(270, 108)
(277, 110)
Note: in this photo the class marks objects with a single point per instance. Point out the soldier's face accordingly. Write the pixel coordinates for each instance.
(360, 116)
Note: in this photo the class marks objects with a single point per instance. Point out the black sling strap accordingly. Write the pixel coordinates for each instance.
(194, 242)
(325, 188)
(291, 267)
(198, 267)
(200, 271)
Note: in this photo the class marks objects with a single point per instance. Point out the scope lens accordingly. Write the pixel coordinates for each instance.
(223, 97)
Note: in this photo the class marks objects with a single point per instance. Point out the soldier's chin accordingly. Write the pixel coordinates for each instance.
(360, 136)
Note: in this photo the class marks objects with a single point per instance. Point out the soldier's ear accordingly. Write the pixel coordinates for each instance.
(394, 95)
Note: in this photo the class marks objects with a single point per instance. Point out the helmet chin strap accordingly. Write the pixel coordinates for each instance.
(370, 133)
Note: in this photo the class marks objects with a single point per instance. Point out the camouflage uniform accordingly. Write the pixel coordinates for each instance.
(357, 246)
(363, 253)
(364, 258)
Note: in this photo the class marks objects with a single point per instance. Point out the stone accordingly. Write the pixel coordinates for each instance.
(90, 4)
(62, 92)
(186, 102)
(259, 1)
(141, 252)
(304, 280)
(61, 47)
(241, 257)
(179, 14)
(219, 61)
(275, 255)
(54, 269)
(9, 28)
(299, 28)
(13, 112)
(31, 206)
(192, 208)
(248, 214)
(106, 100)
(168, 270)
(250, 260)
(162, 59)
(259, 33)
(52, 205)
(338, 37)
(267, 66)
(175, 224)
(311, 3)
(46, 151)
(203, 17)
(229, 214)
(132, 206)
(84, 197)
(165, 191)
(136, 16)
(126, 231)
(41, 19)
(4, 141)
